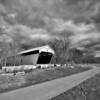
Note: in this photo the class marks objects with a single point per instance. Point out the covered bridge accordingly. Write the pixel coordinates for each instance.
(39, 55)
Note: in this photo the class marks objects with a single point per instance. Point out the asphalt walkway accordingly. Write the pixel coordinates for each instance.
(50, 89)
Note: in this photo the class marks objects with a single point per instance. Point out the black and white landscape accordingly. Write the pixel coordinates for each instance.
(72, 30)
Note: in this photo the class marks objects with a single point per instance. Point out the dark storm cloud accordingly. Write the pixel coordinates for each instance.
(78, 34)
(26, 20)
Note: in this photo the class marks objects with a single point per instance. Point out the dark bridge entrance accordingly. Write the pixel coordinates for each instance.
(44, 58)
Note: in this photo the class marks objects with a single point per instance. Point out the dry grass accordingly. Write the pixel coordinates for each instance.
(8, 83)
(88, 90)
(53, 73)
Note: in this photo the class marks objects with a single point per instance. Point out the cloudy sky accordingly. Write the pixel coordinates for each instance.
(25, 21)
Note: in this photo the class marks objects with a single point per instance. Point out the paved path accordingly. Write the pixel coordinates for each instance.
(48, 90)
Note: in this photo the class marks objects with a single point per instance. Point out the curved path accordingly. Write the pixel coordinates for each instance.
(48, 90)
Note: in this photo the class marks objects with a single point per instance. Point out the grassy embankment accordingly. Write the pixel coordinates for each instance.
(10, 82)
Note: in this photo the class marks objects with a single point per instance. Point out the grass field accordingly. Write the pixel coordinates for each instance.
(10, 82)
(88, 90)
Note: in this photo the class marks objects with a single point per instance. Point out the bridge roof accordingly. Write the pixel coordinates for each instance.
(45, 48)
